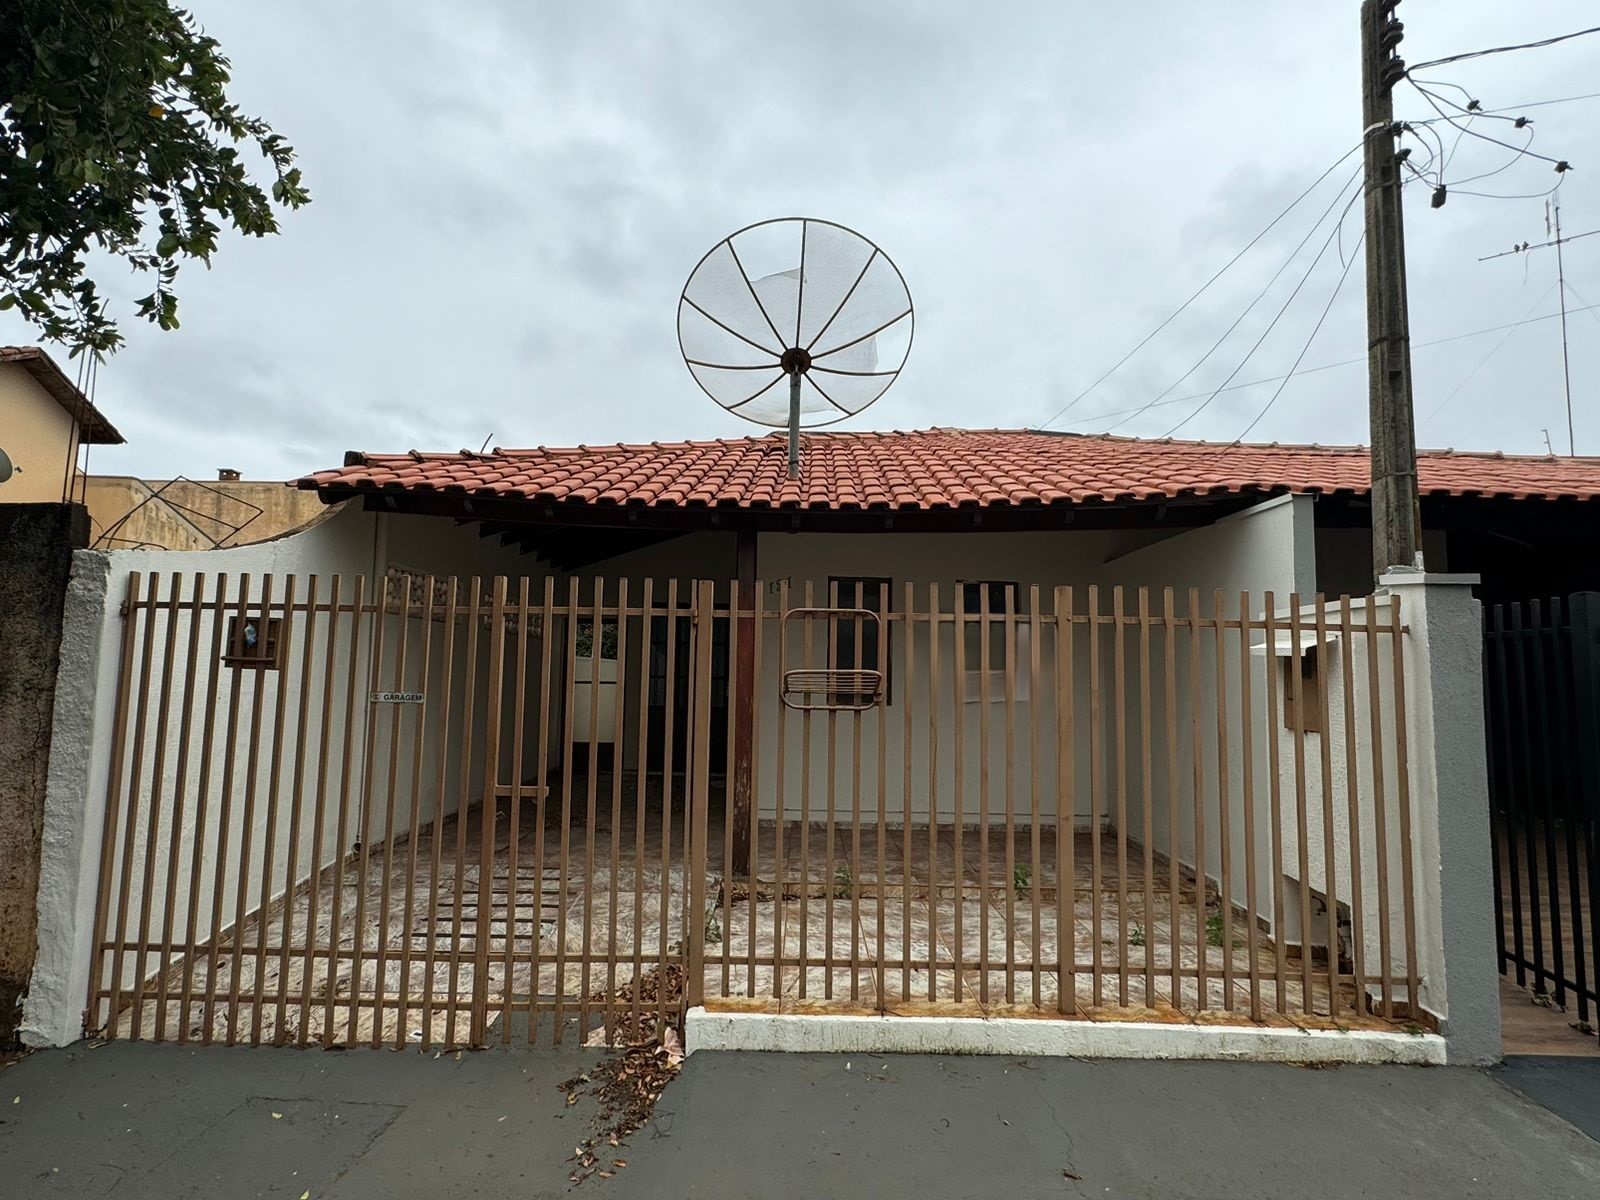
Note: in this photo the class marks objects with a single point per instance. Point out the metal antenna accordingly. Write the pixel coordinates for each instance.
(1552, 216)
(796, 300)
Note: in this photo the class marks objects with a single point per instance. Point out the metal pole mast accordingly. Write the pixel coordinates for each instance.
(1394, 447)
(1561, 287)
(794, 424)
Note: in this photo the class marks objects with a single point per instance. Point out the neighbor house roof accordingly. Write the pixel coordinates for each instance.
(94, 427)
(934, 469)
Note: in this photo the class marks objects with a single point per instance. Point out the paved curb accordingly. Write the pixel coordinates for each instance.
(1058, 1039)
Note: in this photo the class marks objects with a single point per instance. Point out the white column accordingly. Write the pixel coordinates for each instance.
(1452, 850)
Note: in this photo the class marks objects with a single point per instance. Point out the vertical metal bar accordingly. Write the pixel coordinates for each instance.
(202, 801)
(958, 859)
(780, 816)
(175, 836)
(1403, 784)
(369, 729)
(292, 858)
(341, 825)
(885, 640)
(591, 796)
(1148, 831)
(1097, 933)
(856, 720)
(641, 780)
(1380, 809)
(163, 702)
(618, 711)
(1035, 848)
(430, 947)
(247, 825)
(666, 799)
(414, 832)
(1066, 810)
(805, 831)
(224, 816)
(1009, 632)
(469, 689)
(391, 788)
(908, 690)
(1169, 658)
(488, 815)
(935, 633)
(756, 604)
(1352, 776)
(1119, 659)
(1224, 799)
(1202, 931)
(700, 793)
(1329, 861)
(269, 839)
(829, 882)
(1270, 732)
(1518, 643)
(1500, 695)
(1297, 694)
(1571, 811)
(735, 627)
(108, 831)
(1248, 762)
(569, 660)
(985, 897)
(1547, 809)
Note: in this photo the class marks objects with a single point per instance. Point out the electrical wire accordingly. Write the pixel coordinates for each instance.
(1467, 378)
(1439, 62)
(1071, 404)
(1433, 103)
(1261, 295)
(1593, 309)
(1326, 242)
(1315, 329)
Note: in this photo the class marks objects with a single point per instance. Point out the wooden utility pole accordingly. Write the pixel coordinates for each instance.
(1394, 445)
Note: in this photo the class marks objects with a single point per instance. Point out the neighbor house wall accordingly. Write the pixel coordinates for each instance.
(38, 439)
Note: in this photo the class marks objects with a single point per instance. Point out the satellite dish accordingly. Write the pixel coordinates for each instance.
(801, 300)
(6, 469)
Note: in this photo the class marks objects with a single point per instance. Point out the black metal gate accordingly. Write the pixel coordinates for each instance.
(1542, 698)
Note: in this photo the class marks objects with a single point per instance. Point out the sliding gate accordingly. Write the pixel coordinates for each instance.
(1542, 689)
(451, 812)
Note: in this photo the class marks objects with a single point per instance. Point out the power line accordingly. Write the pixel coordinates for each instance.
(1064, 409)
(1350, 362)
(1315, 329)
(1326, 242)
(1433, 99)
(1261, 295)
(1467, 378)
(1439, 62)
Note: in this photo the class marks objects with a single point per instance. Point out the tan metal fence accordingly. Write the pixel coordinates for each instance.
(456, 811)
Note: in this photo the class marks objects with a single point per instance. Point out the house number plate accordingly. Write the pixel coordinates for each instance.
(396, 697)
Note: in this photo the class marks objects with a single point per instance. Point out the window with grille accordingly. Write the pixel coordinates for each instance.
(853, 644)
(1005, 633)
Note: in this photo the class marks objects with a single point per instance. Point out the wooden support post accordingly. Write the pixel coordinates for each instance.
(742, 785)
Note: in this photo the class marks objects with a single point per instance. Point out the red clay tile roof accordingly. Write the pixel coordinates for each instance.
(935, 469)
(95, 429)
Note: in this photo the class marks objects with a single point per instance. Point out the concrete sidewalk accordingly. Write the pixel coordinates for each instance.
(168, 1122)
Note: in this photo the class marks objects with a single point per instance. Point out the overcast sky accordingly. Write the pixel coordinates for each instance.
(508, 196)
